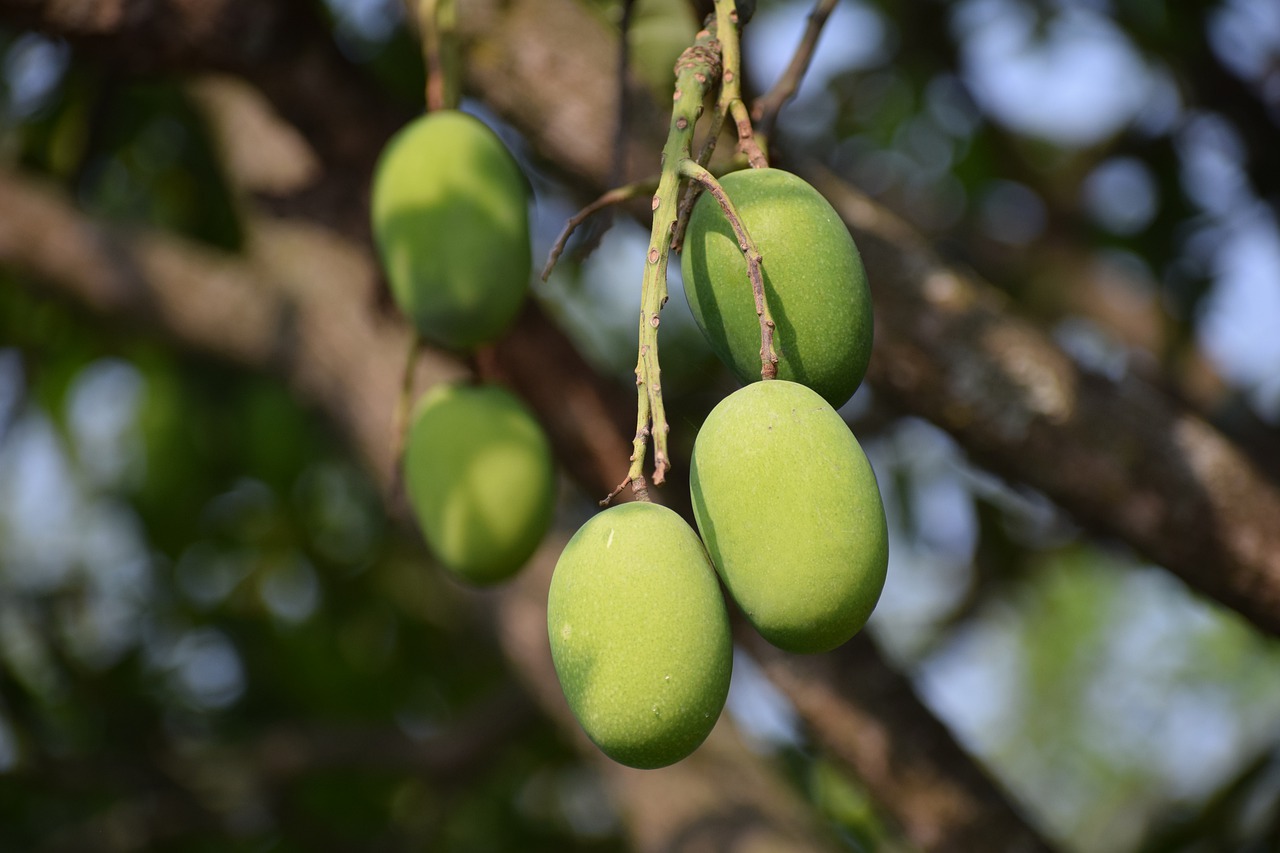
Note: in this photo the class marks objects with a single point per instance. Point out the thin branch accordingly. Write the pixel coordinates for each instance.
(612, 197)
(747, 143)
(766, 108)
(696, 71)
(728, 102)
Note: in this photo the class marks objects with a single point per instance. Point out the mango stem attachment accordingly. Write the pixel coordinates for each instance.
(755, 270)
(728, 102)
(436, 21)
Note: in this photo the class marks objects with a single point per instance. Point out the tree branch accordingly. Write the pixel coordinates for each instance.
(856, 707)
(287, 308)
(1118, 455)
(766, 108)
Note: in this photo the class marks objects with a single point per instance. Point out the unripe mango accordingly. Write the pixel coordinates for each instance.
(789, 509)
(640, 635)
(813, 280)
(479, 473)
(660, 31)
(451, 220)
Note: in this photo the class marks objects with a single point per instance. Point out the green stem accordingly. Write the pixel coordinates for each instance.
(755, 271)
(730, 100)
(400, 419)
(697, 70)
(437, 19)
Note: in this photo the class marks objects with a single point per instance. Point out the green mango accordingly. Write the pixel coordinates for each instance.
(660, 31)
(480, 476)
(791, 515)
(813, 280)
(640, 635)
(450, 212)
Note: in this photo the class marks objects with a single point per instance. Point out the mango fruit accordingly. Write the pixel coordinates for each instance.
(450, 214)
(791, 515)
(480, 477)
(660, 31)
(640, 635)
(813, 280)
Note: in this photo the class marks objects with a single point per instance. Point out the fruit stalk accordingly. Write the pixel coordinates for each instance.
(768, 354)
(696, 70)
(436, 19)
(730, 100)
(400, 419)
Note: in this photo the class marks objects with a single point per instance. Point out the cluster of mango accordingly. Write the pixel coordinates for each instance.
(451, 222)
(786, 503)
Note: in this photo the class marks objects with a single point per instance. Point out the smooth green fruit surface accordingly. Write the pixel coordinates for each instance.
(479, 473)
(639, 635)
(660, 31)
(451, 219)
(789, 509)
(813, 280)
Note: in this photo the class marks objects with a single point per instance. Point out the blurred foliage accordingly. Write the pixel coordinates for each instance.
(135, 152)
(1107, 697)
(247, 604)
(212, 638)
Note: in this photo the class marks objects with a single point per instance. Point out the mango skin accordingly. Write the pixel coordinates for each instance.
(814, 282)
(481, 478)
(450, 215)
(791, 515)
(640, 635)
(660, 31)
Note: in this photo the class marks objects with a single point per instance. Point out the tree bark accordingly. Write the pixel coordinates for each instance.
(858, 710)
(1118, 454)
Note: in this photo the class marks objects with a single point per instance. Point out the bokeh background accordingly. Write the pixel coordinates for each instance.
(217, 632)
